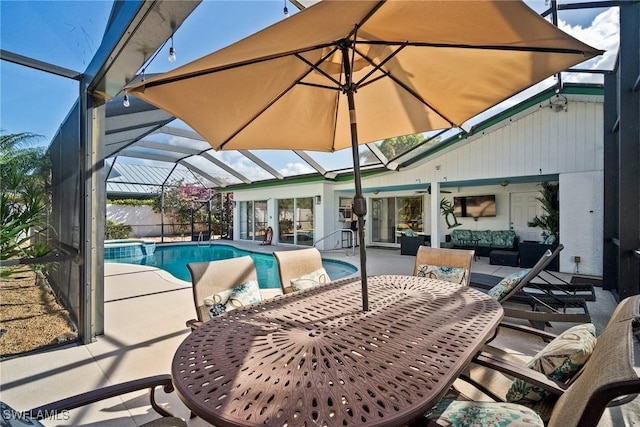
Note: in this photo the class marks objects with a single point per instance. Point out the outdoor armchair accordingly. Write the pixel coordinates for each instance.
(60, 408)
(452, 265)
(607, 378)
(214, 277)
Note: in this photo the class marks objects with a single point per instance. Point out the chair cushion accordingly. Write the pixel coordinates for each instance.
(309, 280)
(503, 239)
(507, 284)
(457, 413)
(238, 296)
(458, 236)
(449, 274)
(560, 360)
(485, 237)
(409, 232)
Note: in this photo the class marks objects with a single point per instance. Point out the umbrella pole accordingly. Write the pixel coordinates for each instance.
(359, 203)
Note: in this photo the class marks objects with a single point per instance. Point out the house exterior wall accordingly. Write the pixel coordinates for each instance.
(532, 146)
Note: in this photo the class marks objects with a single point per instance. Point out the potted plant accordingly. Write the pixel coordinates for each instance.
(549, 222)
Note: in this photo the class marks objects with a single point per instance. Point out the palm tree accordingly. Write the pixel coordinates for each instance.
(23, 202)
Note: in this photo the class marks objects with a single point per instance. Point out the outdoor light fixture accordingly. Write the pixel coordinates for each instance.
(125, 101)
(286, 11)
(318, 200)
(172, 52)
(504, 183)
(559, 104)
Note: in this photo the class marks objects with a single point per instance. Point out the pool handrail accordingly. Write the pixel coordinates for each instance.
(340, 230)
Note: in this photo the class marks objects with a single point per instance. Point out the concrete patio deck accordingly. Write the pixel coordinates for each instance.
(145, 313)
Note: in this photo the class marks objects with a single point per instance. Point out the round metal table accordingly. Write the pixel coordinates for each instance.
(315, 358)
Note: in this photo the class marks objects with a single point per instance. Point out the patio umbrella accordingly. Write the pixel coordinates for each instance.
(342, 73)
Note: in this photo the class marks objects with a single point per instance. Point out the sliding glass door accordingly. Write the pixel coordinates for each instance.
(295, 221)
(391, 217)
(253, 220)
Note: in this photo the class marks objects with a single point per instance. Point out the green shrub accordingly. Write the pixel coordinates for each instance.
(115, 230)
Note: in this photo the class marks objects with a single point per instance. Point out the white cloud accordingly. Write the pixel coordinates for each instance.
(603, 34)
(296, 169)
(250, 170)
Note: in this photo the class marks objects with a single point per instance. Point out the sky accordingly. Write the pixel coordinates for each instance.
(67, 34)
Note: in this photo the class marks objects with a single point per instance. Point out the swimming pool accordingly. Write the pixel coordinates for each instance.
(174, 259)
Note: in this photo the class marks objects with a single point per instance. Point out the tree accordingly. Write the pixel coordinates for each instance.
(397, 146)
(24, 174)
(178, 204)
(549, 222)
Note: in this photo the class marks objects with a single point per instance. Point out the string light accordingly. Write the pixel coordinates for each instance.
(172, 52)
(286, 11)
(126, 102)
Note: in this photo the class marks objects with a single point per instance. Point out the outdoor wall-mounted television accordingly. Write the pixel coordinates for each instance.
(474, 206)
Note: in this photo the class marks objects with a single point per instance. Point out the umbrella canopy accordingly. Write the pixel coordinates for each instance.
(341, 73)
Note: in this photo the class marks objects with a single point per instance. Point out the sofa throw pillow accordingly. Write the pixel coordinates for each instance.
(550, 240)
(238, 296)
(309, 280)
(507, 284)
(560, 360)
(450, 274)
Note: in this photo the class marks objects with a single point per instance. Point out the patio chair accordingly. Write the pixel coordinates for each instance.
(607, 378)
(544, 307)
(296, 264)
(212, 277)
(493, 369)
(452, 265)
(14, 418)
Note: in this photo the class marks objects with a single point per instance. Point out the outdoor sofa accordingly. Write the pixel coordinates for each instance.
(487, 240)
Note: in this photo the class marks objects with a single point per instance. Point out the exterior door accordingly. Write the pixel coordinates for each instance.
(524, 207)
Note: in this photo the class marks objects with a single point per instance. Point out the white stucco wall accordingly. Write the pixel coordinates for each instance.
(581, 222)
(145, 222)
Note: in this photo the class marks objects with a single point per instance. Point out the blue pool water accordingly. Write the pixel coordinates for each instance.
(174, 259)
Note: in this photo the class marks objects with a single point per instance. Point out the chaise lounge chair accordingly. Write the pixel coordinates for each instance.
(543, 306)
(546, 282)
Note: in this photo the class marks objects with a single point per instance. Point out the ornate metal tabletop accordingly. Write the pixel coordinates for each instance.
(314, 358)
